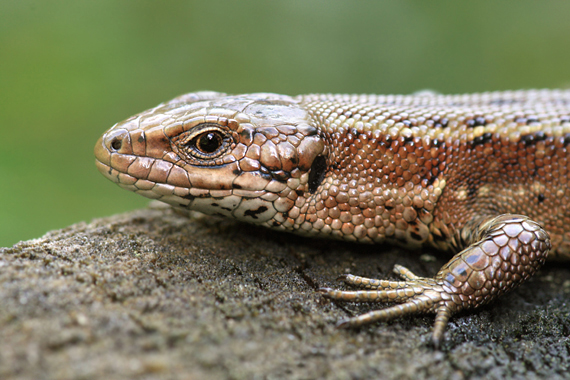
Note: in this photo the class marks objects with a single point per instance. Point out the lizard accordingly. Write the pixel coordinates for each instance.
(483, 176)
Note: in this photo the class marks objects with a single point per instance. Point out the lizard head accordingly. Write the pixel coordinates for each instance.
(249, 156)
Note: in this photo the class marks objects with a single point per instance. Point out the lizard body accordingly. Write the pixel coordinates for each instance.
(484, 176)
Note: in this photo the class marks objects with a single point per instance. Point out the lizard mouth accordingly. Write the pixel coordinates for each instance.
(241, 204)
(170, 183)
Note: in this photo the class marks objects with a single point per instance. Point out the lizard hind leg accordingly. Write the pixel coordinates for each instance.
(501, 253)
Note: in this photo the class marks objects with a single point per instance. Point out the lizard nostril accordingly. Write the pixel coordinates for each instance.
(116, 143)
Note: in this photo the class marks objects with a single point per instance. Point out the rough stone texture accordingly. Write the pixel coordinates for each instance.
(154, 295)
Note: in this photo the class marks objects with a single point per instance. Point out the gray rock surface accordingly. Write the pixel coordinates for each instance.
(154, 295)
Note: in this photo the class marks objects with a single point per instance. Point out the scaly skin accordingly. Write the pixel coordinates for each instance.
(484, 176)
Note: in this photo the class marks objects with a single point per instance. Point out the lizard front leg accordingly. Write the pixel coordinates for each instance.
(501, 253)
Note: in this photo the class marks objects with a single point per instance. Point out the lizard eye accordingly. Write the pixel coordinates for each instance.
(206, 142)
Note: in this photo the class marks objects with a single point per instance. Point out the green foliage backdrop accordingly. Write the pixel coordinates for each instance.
(70, 69)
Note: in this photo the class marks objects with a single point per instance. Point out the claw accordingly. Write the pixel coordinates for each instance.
(343, 324)
(324, 290)
(342, 277)
(505, 252)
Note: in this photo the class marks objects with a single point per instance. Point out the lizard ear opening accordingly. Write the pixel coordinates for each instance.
(317, 173)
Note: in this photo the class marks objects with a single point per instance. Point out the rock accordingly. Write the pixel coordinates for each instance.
(153, 294)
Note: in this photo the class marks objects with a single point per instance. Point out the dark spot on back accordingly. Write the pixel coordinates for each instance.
(541, 198)
(236, 172)
(141, 138)
(478, 121)
(484, 138)
(236, 186)
(299, 193)
(533, 138)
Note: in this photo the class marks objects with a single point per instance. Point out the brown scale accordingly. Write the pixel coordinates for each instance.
(482, 175)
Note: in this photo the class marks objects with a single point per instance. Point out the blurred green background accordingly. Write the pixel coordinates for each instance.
(71, 69)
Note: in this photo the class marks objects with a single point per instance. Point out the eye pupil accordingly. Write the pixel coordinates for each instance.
(209, 142)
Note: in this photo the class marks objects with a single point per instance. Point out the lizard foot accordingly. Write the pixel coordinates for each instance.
(502, 252)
